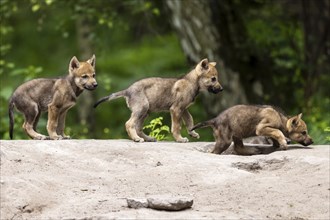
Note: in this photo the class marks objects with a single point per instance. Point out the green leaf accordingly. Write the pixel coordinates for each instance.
(48, 2)
(6, 92)
(35, 7)
(157, 128)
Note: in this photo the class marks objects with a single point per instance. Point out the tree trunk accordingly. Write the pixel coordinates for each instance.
(85, 101)
(316, 23)
(200, 38)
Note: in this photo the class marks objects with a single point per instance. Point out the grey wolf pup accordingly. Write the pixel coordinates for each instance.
(243, 121)
(56, 96)
(167, 94)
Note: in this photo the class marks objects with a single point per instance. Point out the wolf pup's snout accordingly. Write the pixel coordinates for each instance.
(91, 86)
(215, 89)
(220, 89)
(307, 142)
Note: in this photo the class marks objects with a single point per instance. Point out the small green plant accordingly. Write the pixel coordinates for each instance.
(157, 129)
(327, 138)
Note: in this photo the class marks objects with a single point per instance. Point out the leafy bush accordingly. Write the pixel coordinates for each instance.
(157, 129)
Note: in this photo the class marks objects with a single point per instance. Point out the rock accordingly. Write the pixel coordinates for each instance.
(169, 203)
(161, 202)
(137, 203)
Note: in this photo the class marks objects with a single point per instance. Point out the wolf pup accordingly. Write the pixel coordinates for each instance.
(167, 94)
(242, 121)
(56, 96)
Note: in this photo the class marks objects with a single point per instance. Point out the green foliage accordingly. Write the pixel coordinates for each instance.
(280, 40)
(133, 40)
(157, 129)
(317, 118)
(327, 130)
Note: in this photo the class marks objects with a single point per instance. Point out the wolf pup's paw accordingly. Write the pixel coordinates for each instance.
(194, 134)
(66, 137)
(288, 141)
(41, 137)
(138, 139)
(56, 137)
(215, 151)
(283, 147)
(283, 144)
(182, 140)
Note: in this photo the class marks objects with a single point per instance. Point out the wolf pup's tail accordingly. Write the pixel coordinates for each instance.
(203, 124)
(110, 97)
(11, 118)
(255, 145)
(254, 149)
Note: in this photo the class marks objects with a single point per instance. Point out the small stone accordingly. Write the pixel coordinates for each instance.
(137, 203)
(169, 203)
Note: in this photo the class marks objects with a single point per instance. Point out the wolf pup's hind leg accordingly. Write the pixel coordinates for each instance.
(131, 128)
(222, 142)
(139, 130)
(31, 115)
(188, 120)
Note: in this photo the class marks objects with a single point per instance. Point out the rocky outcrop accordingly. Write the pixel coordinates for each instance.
(94, 179)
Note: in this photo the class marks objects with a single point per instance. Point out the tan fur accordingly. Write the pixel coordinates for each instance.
(167, 94)
(243, 121)
(56, 96)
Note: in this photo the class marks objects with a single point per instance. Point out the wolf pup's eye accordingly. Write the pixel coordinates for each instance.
(214, 79)
(84, 76)
(304, 133)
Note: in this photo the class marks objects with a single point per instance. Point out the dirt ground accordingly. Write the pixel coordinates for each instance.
(91, 179)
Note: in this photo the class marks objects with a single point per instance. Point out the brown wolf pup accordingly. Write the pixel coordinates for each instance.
(167, 94)
(56, 96)
(243, 121)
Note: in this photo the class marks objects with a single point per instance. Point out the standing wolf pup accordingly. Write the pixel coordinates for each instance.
(56, 96)
(243, 121)
(167, 94)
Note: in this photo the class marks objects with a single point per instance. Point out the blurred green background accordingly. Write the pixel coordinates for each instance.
(268, 52)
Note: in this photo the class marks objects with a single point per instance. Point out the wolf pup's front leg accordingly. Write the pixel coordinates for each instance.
(264, 130)
(176, 117)
(61, 125)
(53, 114)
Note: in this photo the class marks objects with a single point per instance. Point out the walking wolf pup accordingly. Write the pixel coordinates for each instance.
(56, 96)
(167, 94)
(243, 121)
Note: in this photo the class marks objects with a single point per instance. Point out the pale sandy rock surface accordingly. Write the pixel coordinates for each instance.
(91, 179)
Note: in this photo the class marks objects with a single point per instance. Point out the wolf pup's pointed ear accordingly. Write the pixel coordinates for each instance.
(92, 60)
(213, 63)
(295, 120)
(204, 64)
(74, 64)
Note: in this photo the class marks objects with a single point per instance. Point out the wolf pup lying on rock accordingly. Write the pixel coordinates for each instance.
(243, 121)
(56, 96)
(167, 94)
